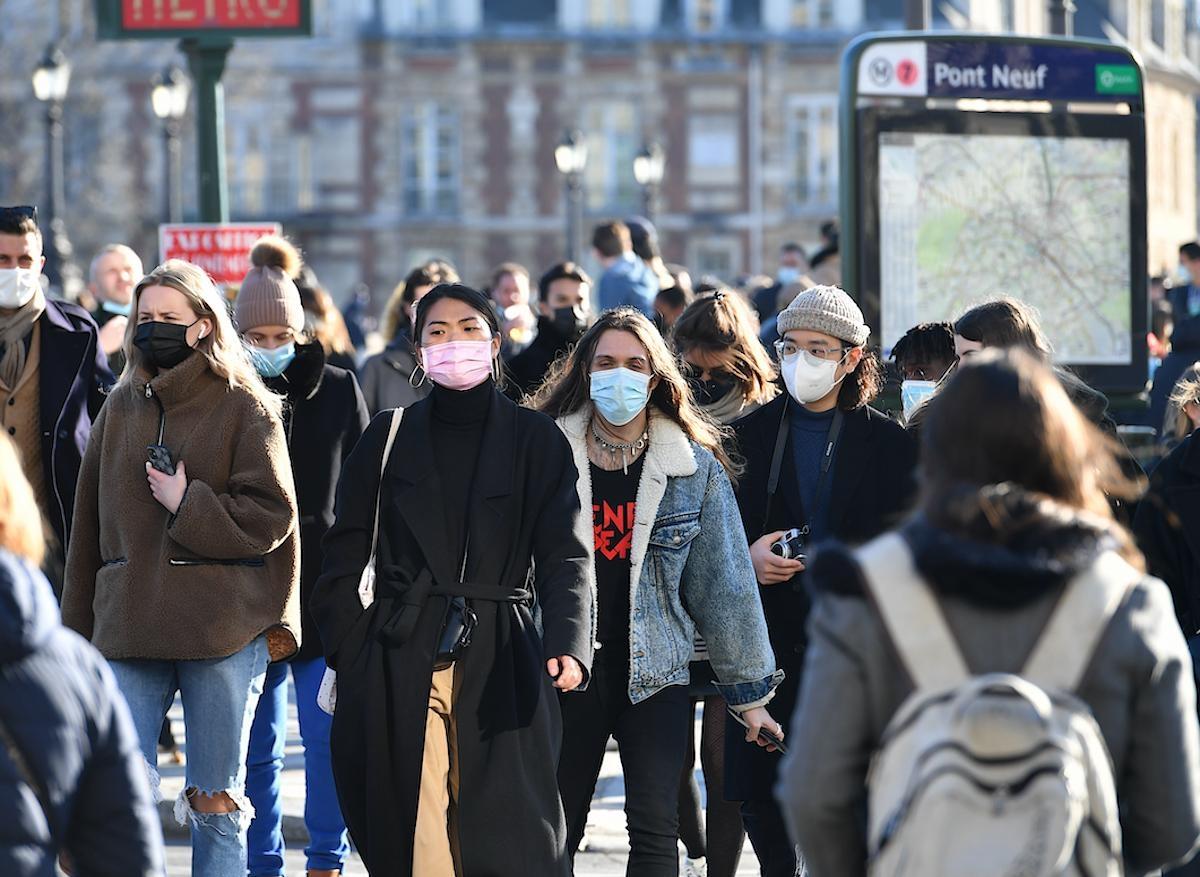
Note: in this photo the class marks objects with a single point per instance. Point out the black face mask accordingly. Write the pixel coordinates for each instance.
(569, 323)
(165, 345)
(711, 391)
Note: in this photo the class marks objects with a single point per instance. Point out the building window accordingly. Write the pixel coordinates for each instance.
(714, 150)
(401, 15)
(719, 255)
(706, 16)
(811, 14)
(430, 156)
(813, 152)
(609, 13)
(611, 131)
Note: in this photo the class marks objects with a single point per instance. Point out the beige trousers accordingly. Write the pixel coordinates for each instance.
(435, 849)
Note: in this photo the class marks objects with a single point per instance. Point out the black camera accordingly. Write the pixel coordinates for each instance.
(790, 546)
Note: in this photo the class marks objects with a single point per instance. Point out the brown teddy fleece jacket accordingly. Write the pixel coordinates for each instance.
(225, 569)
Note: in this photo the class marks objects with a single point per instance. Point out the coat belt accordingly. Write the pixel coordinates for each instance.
(408, 596)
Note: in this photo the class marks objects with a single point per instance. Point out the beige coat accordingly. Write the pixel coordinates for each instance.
(208, 581)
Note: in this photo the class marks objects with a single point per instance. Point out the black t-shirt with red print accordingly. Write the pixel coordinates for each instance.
(614, 507)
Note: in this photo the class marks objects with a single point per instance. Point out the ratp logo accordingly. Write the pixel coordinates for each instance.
(881, 71)
(893, 68)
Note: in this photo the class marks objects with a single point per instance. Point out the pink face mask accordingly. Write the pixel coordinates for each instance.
(458, 365)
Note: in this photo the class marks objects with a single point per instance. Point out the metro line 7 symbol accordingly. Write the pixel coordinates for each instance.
(906, 72)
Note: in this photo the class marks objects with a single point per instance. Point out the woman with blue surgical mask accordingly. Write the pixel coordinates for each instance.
(323, 416)
(666, 560)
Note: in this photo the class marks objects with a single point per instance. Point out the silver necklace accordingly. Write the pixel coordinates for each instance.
(613, 448)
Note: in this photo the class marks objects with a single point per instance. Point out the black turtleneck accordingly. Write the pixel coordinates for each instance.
(458, 420)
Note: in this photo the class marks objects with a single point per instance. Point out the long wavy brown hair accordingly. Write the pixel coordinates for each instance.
(722, 323)
(568, 387)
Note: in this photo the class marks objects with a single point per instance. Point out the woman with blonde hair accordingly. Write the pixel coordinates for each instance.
(184, 556)
(1183, 408)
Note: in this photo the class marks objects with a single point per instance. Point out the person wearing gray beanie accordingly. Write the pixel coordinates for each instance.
(820, 464)
(324, 417)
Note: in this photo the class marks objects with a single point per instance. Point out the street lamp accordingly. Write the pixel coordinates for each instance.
(648, 167)
(169, 99)
(570, 156)
(51, 79)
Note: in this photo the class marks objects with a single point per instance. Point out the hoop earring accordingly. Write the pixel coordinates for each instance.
(424, 376)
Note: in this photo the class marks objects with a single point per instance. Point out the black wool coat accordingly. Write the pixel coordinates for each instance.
(324, 417)
(1167, 530)
(523, 508)
(873, 484)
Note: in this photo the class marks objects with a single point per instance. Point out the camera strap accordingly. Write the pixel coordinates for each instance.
(831, 440)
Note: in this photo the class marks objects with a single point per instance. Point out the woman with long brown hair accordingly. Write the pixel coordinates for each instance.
(1013, 520)
(730, 375)
(664, 564)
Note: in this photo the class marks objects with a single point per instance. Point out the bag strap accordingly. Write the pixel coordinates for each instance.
(1087, 605)
(911, 614)
(393, 428)
(25, 771)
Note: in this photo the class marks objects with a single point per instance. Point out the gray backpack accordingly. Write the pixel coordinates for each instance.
(996, 775)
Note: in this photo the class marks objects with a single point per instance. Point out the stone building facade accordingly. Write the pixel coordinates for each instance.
(406, 129)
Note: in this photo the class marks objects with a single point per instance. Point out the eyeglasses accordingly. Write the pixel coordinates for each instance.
(21, 211)
(787, 349)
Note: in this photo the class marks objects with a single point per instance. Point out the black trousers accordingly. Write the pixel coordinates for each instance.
(653, 740)
(769, 836)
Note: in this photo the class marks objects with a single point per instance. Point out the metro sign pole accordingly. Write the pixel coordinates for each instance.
(206, 30)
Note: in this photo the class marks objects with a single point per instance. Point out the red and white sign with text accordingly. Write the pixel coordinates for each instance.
(221, 250)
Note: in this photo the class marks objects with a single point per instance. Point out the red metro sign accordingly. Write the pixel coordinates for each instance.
(195, 18)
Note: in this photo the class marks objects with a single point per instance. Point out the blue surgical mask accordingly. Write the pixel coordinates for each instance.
(619, 394)
(117, 310)
(914, 393)
(272, 363)
(787, 276)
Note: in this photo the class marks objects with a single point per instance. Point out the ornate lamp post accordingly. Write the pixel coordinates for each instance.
(169, 98)
(570, 156)
(51, 79)
(648, 168)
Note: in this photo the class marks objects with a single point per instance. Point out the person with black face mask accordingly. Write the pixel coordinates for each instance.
(183, 563)
(564, 303)
(730, 375)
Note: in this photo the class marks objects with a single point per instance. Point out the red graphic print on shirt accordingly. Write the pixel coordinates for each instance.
(613, 529)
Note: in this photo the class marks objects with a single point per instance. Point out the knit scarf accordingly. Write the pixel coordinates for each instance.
(13, 330)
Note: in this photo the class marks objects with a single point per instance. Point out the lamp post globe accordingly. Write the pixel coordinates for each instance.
(169, 100)
(649, 165)
(570, 157)
(51, 79)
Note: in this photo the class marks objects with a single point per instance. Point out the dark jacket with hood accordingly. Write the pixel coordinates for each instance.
(997, 580)
(74, 381)
(323, 419)
(387, 378)
(63, 710)
(523, 556)
(527, 370)
(872, 485)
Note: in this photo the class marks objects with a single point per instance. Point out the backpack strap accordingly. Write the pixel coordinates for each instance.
(1087, 605)
(912, 615)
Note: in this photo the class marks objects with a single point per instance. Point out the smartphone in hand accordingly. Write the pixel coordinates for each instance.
(763, 734)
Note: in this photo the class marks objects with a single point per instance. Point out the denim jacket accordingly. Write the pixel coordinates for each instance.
(690, 569)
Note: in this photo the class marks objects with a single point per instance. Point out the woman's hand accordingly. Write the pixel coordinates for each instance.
(566, 672)
(770, 568)
(168, 489)
(759, 719)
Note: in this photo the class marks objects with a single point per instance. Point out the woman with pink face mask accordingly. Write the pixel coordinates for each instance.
(446, 729)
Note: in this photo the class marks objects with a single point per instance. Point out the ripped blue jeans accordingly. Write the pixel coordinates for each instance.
(219, 699)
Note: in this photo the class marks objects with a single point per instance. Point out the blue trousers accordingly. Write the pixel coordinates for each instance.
(328, 844)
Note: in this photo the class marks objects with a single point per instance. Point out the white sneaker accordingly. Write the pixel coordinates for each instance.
(694, 868)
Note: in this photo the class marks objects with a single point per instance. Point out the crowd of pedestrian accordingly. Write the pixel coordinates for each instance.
(949, 632)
